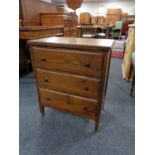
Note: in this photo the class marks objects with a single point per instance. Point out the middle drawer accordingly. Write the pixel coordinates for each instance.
(68, 83)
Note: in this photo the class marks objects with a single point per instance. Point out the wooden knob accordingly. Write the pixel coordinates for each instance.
(68, 102)
(85, 108)
(43, 59)
(46, 80)
(48, 98)
(88, 65)
(86, 88)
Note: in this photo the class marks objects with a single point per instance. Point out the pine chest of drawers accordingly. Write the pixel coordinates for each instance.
(72, 74)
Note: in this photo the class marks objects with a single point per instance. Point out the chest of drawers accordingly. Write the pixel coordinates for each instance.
(72, 74)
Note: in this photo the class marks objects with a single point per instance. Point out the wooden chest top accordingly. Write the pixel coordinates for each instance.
(70, 42)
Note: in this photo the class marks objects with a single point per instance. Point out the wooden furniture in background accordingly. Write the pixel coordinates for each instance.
(113, 15)
(94, 20)
(67, 20)
(101, 20)
(85, 18)
(130, 48)
(72, 74)
(124, 17)
(96, 29)
(30, 28)
(31, 9)
(87, 31)
(34, 32)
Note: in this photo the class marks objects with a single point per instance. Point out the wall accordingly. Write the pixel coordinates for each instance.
(93, 7)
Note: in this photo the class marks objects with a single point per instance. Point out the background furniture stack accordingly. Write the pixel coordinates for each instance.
(30, 28)
(94, 20)
(85, 18)
(72, 74)
(86, 29)
(101, 20)
(67, 20)
(130, 48)
(39, 19)
(113, 15)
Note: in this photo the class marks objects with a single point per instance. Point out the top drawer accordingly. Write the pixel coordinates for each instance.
(73, 61)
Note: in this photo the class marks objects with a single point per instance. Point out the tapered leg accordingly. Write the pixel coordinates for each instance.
(132, 87)
(42, 110)
(96, 125)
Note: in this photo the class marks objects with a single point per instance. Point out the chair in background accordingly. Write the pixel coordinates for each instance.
(87, 31)
(94, 20)
(85, 18)
(101, 31)
(125, 28)
(116, 32)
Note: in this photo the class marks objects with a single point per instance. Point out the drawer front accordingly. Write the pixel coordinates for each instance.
(68, 60)
(69, 103)
(67, 83)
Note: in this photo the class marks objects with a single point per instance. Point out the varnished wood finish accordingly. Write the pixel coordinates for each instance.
(67, 20)
(68, 83)
(82, 106)
(62, 80)
(73, 61)
(34, 32)
(30, 26)
(31, 10)
(130, 48)
(93, 45)
(74, 4)
(113, 15)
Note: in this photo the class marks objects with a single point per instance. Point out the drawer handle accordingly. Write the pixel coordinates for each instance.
(46, 80)
(43, 59)
(68, 102)
(87, 64)
(85, 108)
(48, 98)
(86, 88)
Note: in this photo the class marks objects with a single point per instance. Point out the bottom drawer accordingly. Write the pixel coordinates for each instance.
(74, 104)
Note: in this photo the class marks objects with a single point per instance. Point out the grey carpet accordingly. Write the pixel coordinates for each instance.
(64, 134)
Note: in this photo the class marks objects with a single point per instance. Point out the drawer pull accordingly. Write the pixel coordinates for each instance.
(48, 98)
(87, 64)
(85, 108)
(46, 80)
(86, 88)
(68, 102)
(43, 59)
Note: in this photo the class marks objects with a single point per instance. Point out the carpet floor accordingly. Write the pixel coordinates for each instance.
(64, 134)
(118, 49)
